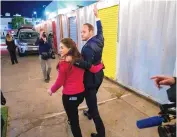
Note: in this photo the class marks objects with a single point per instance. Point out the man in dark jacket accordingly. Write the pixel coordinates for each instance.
(92, 54)
(44, 50)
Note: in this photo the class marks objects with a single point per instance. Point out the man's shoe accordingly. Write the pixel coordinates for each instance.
(46, 81)
(48, 76)
(85, 112)
(94, 135)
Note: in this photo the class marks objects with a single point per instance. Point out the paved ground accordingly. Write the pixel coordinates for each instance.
(32, 113)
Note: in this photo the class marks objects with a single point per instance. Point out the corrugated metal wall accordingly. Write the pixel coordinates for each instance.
(65, 26)
(54, 34)
(84, 15)
(45, 27)
(73, 29)
(147, 45)
(58, 31)
(109, 19)
(49, 26)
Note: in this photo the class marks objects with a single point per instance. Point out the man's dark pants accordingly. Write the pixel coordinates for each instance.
(91, 100)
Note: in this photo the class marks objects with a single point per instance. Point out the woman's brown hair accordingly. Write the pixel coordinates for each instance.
(73, 52)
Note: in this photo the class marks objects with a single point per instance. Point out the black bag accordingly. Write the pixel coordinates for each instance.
(52, 54)
(45, 56)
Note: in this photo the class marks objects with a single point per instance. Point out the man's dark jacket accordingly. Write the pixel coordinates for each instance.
(92, 54)
(171, 92)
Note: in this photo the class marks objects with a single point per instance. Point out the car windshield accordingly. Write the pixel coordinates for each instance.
(2, 40)
(28, 35)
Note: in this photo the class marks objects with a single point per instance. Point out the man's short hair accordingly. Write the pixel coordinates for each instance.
(90, 26)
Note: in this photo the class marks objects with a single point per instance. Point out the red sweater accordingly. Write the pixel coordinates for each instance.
(71, 78)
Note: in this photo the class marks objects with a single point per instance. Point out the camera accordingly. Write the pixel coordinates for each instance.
(44, 35)
(166, 115)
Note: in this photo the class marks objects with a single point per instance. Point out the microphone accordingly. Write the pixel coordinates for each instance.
(149, 122)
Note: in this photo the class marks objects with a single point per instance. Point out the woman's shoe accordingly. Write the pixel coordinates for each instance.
(94, 135)
(48, 76)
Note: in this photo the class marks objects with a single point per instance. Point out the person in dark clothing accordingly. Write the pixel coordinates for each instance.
(3, 102)
(11, 48)
(92, 55)
(44, 49)
(50, 41)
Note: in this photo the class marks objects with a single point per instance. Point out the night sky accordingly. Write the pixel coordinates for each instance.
(24, 8)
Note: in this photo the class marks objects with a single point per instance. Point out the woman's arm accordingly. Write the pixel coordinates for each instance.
(60, 79)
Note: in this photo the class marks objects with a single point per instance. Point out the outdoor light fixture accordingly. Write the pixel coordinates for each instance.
(47, 13)
(80, 6)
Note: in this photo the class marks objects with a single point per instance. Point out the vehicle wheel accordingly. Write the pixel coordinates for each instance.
(20, 54)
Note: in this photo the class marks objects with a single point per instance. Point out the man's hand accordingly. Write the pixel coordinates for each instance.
(68, 59)
(163, 80)
(95, 10)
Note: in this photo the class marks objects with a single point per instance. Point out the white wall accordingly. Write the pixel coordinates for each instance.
(4, 21)
(4, 25)
(147, 45)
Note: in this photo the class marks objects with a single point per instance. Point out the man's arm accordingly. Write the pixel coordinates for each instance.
(88, 55)
(168, 81)
(99, 30)
(163, 80)
(98, 23)
(83, 64)
(88, 66)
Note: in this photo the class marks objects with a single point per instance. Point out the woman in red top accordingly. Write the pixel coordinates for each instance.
(71, 78)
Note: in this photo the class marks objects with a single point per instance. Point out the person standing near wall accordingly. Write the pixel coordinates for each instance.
(11, 47)
(92, 54)
(50, 41)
